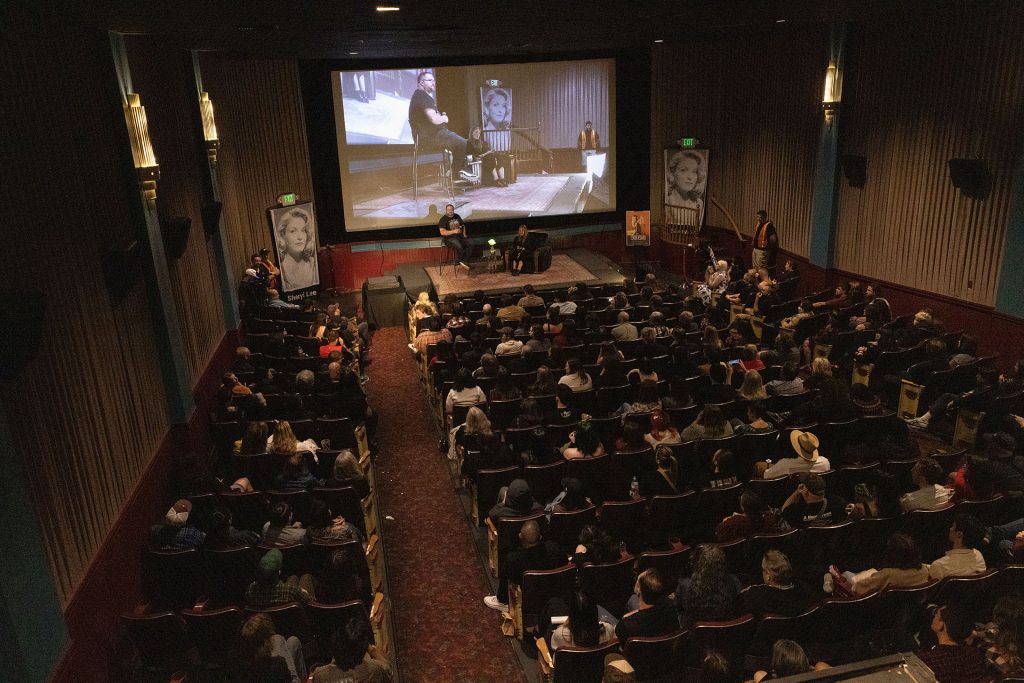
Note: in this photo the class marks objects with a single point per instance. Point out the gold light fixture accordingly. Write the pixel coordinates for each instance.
(209, 126)
(142, 148)
(832, 95)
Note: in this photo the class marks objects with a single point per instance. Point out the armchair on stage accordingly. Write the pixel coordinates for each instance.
(538, 253)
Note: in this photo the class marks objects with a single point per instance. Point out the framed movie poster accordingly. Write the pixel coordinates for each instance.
(638, 228)
(686, 185)
(293, 232)
(495, 108)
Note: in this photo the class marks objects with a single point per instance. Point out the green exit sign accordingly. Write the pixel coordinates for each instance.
(689, 142)
(286, 199)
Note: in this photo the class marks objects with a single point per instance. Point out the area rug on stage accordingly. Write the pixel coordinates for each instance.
(528, 194)
(564, 270)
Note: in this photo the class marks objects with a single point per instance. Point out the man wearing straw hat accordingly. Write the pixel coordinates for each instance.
(808, 459)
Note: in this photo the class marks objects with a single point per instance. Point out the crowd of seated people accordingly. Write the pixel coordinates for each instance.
(691, 371)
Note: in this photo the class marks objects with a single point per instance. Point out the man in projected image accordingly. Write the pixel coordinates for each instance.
(453, 233)
(589, 138)
(431, 126)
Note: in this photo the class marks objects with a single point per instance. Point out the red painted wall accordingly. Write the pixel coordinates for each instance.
(347, 270)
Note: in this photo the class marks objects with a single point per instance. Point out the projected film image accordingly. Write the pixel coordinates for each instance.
(498, 141)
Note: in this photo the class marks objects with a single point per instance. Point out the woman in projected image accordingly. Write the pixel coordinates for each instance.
(480, 149)
(497, 109)
(686, 176)
(296, 248)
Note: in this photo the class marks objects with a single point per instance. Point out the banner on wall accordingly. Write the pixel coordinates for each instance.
(638, 228)
(686, 185)
(293, 232)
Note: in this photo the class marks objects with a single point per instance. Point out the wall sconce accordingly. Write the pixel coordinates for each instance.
(142, 148)
(209, 126)
(833, 94)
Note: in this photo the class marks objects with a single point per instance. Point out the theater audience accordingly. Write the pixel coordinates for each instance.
(582, 628)
(266, 656)
(809, 505)
(788, 659)
(931, 492)
(710, 424)
(347, 472)
(176, 531)
(901, 567)
(282, 529)
(754, 517)
(805, 444)
(951, 659)
(576, 377)
(662, 480)
(268, 589)
(711, 592)
(1003, 637)
(354, 656)
(780, 593)
(533, 553)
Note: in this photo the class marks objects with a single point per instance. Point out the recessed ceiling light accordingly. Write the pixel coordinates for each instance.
(353, 53)
(388, 8)
(659, 40)
(780, 21)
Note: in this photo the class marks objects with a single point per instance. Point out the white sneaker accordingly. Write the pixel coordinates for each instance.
(492, 602)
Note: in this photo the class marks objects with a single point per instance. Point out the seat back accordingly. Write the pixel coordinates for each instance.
(624, 520)
(215, 633)
(774, 627)
(730, 638)
(656, 657)
(980, 592)
(340, 431)
(344, 501)
(565, 527)
(671, 564)
(539, 586)
(930, 528)
(502, 413)
(160, 638)
(837, 620)
(545, 480)
(228, 572)
(582, 664)
(609, 585)
(327, 619)
(773, 492)
(171, 577)
(668, 516)
(714, 505)
(788, 542)
(488, 484)
(290, 619)
(508, 530)
(594, 473)
(248, 510)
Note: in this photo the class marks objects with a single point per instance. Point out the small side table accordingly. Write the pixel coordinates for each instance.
(492, 258)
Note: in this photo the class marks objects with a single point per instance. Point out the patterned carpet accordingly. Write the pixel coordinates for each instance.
(564, 270)
(444, 631)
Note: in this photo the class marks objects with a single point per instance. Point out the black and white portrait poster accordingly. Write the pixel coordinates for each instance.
(686, 183)
(293, 231)
(495, 108)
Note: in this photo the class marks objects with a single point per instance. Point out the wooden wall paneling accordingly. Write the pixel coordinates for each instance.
(161, 74)
(87, 413)
(915, 96)
(756, 103)
(263, 151)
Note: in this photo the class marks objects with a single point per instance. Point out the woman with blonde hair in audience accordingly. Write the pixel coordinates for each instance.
(284, 442)
(821, 370)
(752, 388)
(424, 307)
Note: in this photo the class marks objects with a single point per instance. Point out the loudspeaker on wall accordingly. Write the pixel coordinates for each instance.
(855, 168)
(971, 176)
(175, 232)
(211, 217)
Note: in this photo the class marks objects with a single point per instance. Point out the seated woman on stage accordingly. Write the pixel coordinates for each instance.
(490, 162)
(517, 253)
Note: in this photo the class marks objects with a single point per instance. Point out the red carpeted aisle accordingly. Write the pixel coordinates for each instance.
(444, 631)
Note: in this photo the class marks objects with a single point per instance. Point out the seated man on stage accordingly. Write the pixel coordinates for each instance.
(453, 233)
(520, 251)
(432, 126)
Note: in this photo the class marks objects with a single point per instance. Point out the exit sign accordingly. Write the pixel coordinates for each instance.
(286, 199)
(689, 142)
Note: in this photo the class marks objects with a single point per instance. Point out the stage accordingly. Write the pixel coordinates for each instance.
(567, 268)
